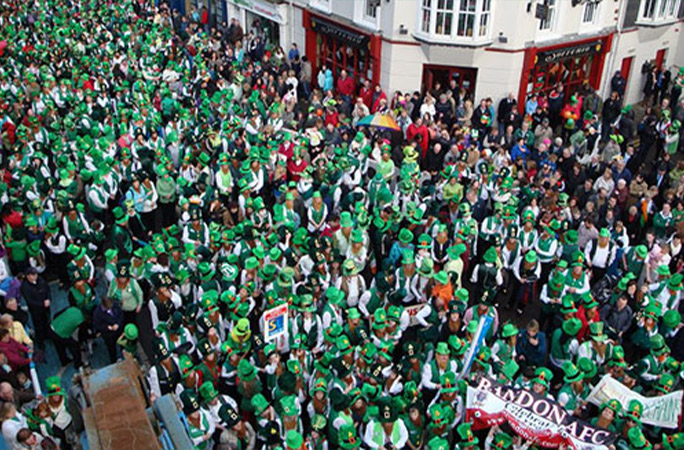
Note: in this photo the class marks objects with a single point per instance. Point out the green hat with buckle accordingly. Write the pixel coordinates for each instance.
(503, 441)
(466, 436)
(665, 383)
(673, 442)
(596, 331)
(637, 440)
(635, 409)
(347, 437)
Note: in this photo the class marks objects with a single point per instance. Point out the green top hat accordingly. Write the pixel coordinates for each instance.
(53, 385)
(346, 220)
(641, 251)
(405, 236)
(490, 255)
(347, 437)
(454, 252)
(658, 346)
(588, 367)
(131, 332)
(543, 376)
(665, 383)
(438, 443)
(448, 382)
(613, 404)
(503, 441)
(596, 331)
(289, 406)
(571, 373)
(637, 440)
(442, 349)
(246, 371)
(510, 369)
(672, 318)
(294, 440)
(673, 442)
(572, 326)
(207, 391)
(466, 436)
(442, 277)
(509, 330)
(259, 403)
(675, 282)
(634, 410)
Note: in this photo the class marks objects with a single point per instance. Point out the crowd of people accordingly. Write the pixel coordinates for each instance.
(175, 180)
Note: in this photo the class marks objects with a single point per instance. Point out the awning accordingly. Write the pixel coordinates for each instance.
(262, 8)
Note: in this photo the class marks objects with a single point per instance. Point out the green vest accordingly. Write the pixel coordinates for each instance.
(379, 434)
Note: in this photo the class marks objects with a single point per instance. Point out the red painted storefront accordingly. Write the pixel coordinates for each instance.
(572, 64)
(341, 46)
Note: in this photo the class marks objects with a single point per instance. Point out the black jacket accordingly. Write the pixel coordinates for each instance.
(35, 294)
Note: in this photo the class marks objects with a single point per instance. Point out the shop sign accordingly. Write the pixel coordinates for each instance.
(337, 32)
(264, 9)
(559, 54)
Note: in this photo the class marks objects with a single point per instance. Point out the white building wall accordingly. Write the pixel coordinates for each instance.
(499, 63)
(642, 43)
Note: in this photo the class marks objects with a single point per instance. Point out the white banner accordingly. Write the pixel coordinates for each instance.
(664, 411)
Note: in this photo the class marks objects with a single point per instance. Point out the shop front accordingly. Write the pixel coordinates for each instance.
(341, 47)
(435, 76)
(573, 65)
(262, 17)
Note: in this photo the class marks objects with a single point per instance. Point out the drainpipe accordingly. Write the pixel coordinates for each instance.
(291, 22)
(613, 53)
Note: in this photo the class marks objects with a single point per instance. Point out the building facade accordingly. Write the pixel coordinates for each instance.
(489, 48)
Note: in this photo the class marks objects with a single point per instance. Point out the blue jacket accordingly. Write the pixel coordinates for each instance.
(534, 355)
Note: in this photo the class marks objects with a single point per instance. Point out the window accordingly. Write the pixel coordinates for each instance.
(658, 10)
(371, 9)
(485, 12)
(463, 20)
(590, 12)
(367, 13)
(547, 22)
(425, 12)
(445, 17)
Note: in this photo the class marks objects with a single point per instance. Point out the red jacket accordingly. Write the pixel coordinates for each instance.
(345, 86)
(15, 353)
(413, 131)
(367, 96)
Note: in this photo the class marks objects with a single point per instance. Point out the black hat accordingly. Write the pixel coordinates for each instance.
(123, 269)
(190, 401)
(160, 350)
(338, 400)
(205, 347)
(228, 415)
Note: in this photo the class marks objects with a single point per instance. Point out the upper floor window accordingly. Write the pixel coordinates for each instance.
(367, 13)
(658, 10)
(462, 20)
(548, 22)
(590, 12)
